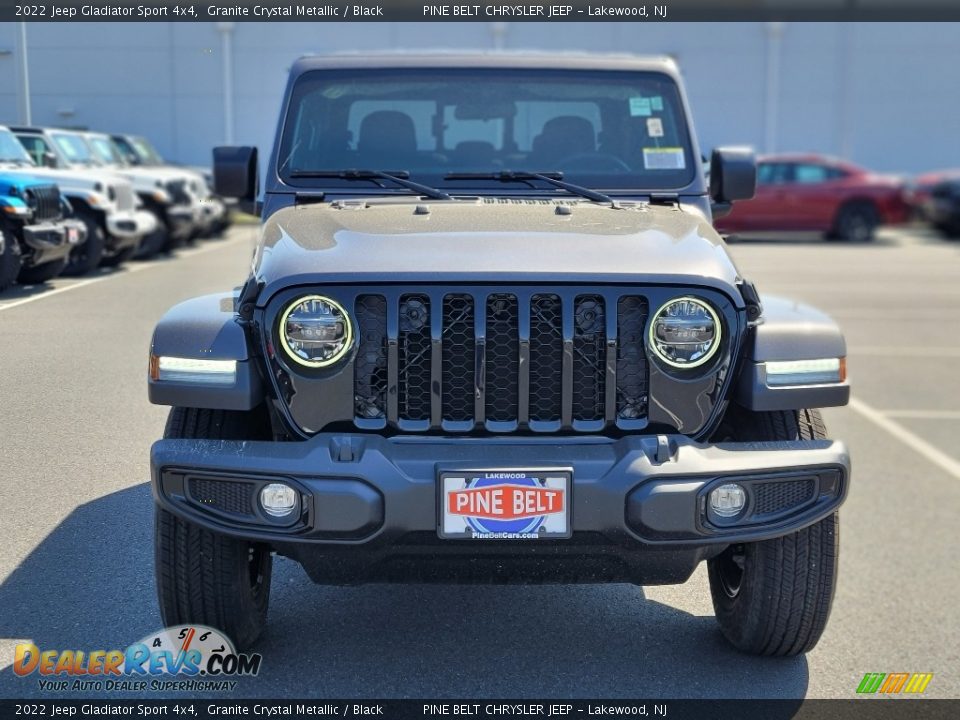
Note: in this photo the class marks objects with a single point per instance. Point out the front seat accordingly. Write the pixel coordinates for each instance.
(387, 141)
(561, 137)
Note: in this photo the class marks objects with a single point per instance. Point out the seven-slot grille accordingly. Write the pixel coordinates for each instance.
(500, 360)
(126, 200)
(44, 200)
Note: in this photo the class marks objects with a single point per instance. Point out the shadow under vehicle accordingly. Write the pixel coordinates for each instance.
(489, 336)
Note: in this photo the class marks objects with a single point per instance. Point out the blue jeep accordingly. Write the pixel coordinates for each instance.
(36, 232)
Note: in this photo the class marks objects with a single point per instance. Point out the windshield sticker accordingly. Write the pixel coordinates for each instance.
(665, 158)
(655, 127)
(656, 103)
(639, 107)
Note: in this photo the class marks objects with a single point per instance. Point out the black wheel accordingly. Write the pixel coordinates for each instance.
(42, 273)
(856, 222)
(119, 258)
(10, 259)
(86, 257)
(204, 577)
(773, 597)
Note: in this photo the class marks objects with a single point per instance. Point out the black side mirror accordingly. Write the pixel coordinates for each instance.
(733, 176)
(235, 175)
(49, 159)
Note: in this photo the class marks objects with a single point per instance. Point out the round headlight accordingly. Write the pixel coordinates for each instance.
(685, 332)
(315, 331)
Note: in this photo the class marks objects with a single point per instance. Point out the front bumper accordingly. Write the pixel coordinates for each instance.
(125, 228)
(47, 242)
(370, 504)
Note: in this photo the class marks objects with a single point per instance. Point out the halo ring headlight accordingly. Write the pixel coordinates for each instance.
(685, 332)
(315, 331)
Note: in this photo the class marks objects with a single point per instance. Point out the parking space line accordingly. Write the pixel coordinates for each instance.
(126, 270)
(907, 437)
(922, 414)
(893, 351)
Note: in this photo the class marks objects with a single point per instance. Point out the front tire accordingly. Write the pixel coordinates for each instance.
(86, 257)
(856, 222)
(11, 259)
(773, 597)
(204, 577)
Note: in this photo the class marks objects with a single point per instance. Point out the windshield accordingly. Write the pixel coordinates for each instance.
(146, 152)
(104, 150)
(11, 150)
(612, 130)
(74, 148)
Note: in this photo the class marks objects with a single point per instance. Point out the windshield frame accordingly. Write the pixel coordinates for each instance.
(284, 178)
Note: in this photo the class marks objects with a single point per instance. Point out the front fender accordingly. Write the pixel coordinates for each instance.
(791, 331)
(204, 328)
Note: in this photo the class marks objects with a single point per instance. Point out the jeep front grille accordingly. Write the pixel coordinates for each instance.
(524, 359)
(45, 202)
(125, 196)
(178, 192)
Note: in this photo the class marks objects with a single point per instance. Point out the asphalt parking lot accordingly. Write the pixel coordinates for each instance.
(76, 513)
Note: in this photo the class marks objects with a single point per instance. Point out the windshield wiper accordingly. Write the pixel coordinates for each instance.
(400, 178)
(551, 178)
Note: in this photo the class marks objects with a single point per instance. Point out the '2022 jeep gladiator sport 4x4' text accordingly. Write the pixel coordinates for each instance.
(490, 335)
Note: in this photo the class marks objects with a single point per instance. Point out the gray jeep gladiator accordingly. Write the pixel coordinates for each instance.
(490, 335)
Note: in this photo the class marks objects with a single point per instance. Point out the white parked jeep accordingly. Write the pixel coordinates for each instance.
(103, 201)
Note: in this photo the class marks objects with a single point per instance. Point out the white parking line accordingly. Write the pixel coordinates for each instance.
(913, 352)
(923, 414)
(907, 437)
(126, 270)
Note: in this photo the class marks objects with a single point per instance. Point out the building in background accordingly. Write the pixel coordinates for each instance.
(886, 95)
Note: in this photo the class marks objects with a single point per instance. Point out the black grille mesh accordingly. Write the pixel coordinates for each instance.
(414, 355)
(227, 496)
(546, 357)
(502, 365)
(370, 374)
(631, 358)
(589, 357)
(457, 360)
(776, 497)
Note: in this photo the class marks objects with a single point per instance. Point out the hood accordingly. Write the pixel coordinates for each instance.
(10, 179)
(511, 240)
(77, 179)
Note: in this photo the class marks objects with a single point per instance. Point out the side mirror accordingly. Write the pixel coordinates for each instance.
(49, 159)
(733, 176)
(235, 175)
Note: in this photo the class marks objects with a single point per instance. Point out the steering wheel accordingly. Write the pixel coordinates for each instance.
(594, 161)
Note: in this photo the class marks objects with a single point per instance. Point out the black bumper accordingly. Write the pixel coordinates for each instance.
(370, 504)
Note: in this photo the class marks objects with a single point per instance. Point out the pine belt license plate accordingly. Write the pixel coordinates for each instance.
(505, 504)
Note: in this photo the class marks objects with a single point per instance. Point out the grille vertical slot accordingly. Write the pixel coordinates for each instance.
(546, 357)
(458, 366)
(589, 357)
(370, 367)
(502, 358)
(632, 389)
(414, 348)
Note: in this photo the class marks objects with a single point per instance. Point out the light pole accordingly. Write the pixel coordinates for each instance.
(26, 112)
(772, 105)
(226, 50)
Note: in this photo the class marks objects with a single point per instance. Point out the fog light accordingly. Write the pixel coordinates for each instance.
(728, 500)
(278, 500)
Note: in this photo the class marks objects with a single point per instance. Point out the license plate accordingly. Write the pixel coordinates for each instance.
(73, 237)
(505, 504)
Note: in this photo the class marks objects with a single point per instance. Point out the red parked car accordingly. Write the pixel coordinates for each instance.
(821, 194)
